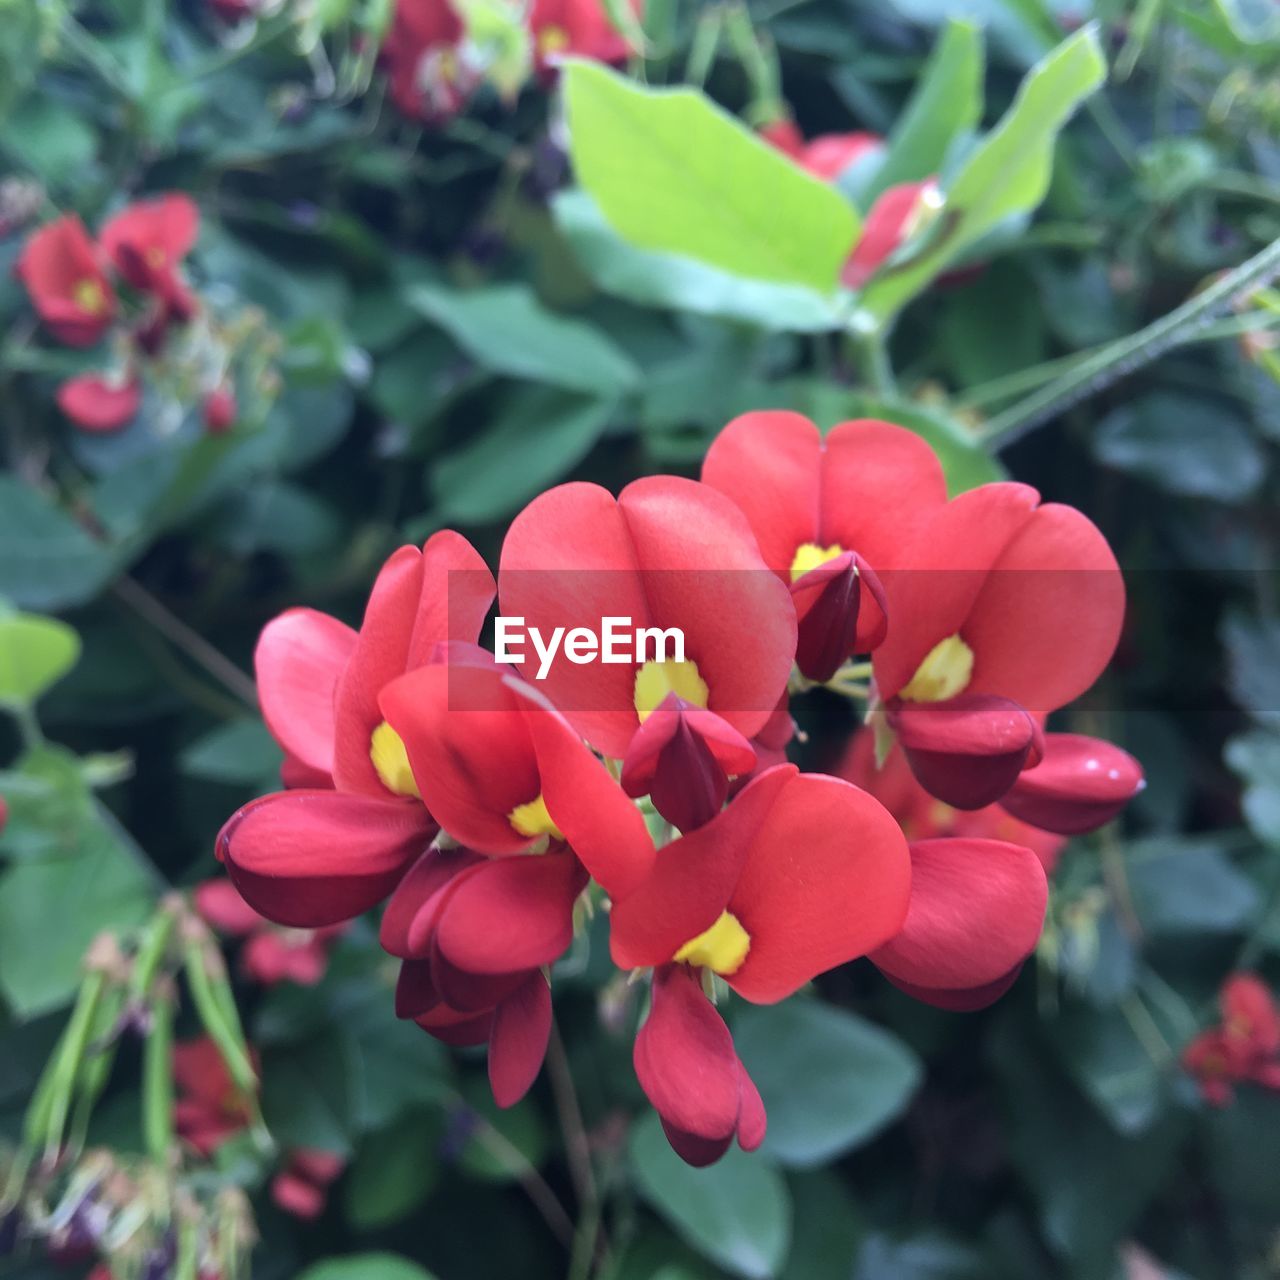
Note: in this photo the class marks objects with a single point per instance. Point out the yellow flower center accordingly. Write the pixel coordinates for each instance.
(156, 257)
(655, 680)
(391, 760)
(533, 819)
(89, 296)
(552, 40)
(809, 556)
(945, 672)
(722, 948)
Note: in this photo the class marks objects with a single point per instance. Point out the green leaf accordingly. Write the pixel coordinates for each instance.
(673, 173)
(1008, 173)
(947, 102)
(857, 1077)
(1255, 758)
(506, 329)
(737, 1212)
(1184, 443)
(533, 440)
(1188, 886)
(35, 653)
(366, 1266)
(654, 279)
(394, 1171)
(240, 753)
(47, 561)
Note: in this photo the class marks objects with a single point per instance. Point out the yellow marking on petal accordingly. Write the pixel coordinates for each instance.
(533, 819)
(809, 556)
(90, 296)
(655, 680)
(722, 948)
(552, 40)
(391, 760)
(945, 672)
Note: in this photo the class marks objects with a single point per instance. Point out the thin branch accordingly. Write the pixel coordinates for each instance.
(1120, 359)
(131, 592)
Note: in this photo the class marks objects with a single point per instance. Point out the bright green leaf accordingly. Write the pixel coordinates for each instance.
(737, 1211)
(674, 173)
(857, 1077)
(1008, 173)
(366, 1266)
(35, 653)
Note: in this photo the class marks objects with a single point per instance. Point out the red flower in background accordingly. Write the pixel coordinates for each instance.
(827, 514)
(1243, 1048)
(574, 28)
(63, 274)
(220, 410)
(209, 1109)
(422, 55)
(269, 954)
(147, 241)
(666, 553)
(889, 221)
(301, 1188)
(99, 403)
(826, 156)
(326, 852)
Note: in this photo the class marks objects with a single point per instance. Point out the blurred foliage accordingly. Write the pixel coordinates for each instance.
(445, 322)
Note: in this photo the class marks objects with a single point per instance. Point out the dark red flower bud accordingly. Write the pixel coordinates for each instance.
(1080, 784)
(220, 410)
(682, 757)
(833, 625)
(968, 750)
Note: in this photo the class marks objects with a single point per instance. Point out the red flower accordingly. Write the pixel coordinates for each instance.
(828, 514)
(1244, 1048)
(301, 1188)
(220, 410)
(1208, 1059)
(504, 773)
(474, 934)
(147, 242)
(62, 272)
(314, 857)
(799, 874)
(270, 955)
(427, 76)
(922, 816)
(1002, 611)
(826, 156)
(666, 553)
(209, 1108)
(1079, 784)
(888, 223)
(100, 403)
(574, 28)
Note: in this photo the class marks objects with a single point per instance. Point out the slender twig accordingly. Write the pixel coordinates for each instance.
(588, 1239)
(534, 1184)
(1122, 358)
(195, 646)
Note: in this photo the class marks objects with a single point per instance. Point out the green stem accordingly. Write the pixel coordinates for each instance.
(872, 354)
(1119, 359)
(157, 1079)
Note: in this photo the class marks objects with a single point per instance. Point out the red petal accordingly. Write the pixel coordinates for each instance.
(470, 751)
(99, 403)
(297, 662)
(692, 881)
(416, 993)
(312, 858)
(471, 992)
(693, 1150)
(456, 1028)
(518, 1040)
(320, 1167)
(603, 827)
(1049, 615)
(937, 573)
(963, 1001)
(882, 231)
(968, 750)
(1080, 784)
(752, 1120)
(769, 464)
(411, 914)
(511, 913)
(685, 1060)
(297, 1196)
(827, 879)
(199, 1071)
(977, 909)
(830, 154)
(419, 600)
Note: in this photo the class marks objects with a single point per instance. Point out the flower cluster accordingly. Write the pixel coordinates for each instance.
(128, 286)
(435, 60)
(1243, 1048)
(497, 805)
